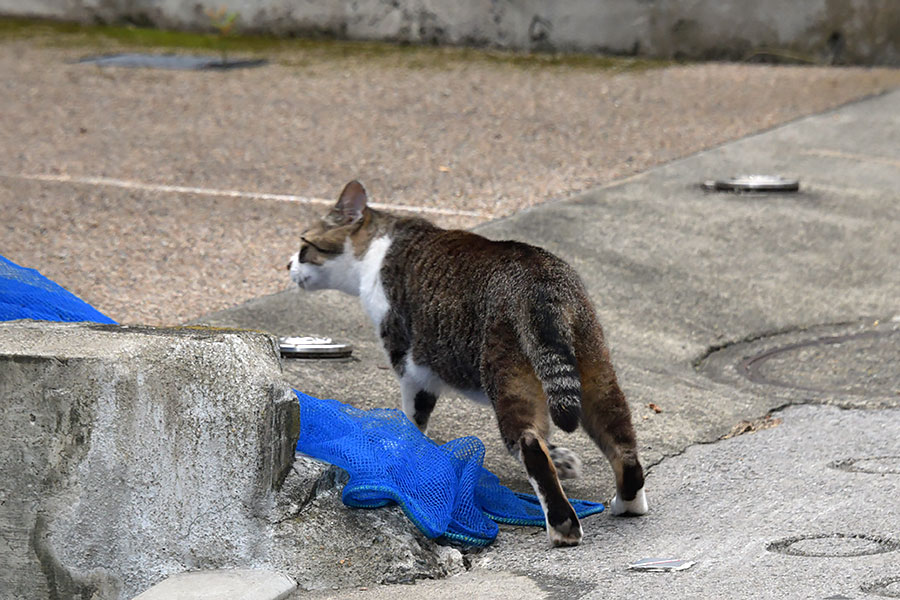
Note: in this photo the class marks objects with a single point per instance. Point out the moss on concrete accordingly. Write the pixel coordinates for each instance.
(301, 52)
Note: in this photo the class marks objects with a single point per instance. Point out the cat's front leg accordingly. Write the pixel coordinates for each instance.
(417, 403)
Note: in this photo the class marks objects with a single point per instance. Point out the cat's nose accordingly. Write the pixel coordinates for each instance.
(294, 260)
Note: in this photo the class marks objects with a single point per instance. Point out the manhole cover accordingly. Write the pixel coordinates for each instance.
(889, 587)
(831, 362)
(859, 363)
(878, 465)
(833, 545)
(181, 62)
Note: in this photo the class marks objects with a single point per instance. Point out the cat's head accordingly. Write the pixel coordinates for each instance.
(330, 250)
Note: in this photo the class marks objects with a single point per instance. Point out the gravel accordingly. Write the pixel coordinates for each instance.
(472, 140)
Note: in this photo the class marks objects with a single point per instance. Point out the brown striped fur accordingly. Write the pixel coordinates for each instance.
(501, 320)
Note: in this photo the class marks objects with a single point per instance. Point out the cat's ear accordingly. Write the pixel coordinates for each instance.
(350, 206)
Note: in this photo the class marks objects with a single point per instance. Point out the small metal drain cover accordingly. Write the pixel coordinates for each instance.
(753, 183)
(313, 347)
(833, 545)
(888, 588)
(876, 465)
(853, 364)
(180, 62)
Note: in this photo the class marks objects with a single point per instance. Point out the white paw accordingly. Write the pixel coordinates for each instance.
(567, 463)
(638, 506)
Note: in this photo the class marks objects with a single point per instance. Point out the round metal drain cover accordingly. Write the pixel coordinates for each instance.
(876, 465)
(857, 363)
(753, 183)
(833, 545)
(850, 364)
(313, 347)
(889, 587)
(179, 62)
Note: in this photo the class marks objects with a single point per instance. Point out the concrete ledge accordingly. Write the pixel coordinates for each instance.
(128, 454)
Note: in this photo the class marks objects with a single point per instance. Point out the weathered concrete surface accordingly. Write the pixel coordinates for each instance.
(725, 506)
(722, 505)
(325, 545)
(127, 454)
(862, 32)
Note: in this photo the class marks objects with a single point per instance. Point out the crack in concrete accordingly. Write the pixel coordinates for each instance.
(698, 362)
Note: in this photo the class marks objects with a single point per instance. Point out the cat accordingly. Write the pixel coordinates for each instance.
(504, 323)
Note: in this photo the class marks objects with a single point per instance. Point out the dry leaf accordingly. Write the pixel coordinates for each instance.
(766, 422)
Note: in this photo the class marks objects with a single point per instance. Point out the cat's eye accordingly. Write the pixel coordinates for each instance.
(318, 249)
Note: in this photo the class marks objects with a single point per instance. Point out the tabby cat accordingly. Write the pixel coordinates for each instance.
(501, 322)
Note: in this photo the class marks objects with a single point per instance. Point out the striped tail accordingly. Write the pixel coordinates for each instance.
(548, 345)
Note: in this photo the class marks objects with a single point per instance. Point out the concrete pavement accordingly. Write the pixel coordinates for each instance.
(802, 289)
(765, 515)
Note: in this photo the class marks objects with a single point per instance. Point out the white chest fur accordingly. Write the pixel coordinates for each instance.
(371, 289)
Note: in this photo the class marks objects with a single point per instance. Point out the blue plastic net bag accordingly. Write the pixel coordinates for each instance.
(26, 294)
(443, 489)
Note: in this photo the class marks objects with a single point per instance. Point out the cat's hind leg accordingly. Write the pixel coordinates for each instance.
(523, 419)
(607, 419)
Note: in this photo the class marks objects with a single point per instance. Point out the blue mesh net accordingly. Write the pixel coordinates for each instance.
(26, 294)
(443, 489)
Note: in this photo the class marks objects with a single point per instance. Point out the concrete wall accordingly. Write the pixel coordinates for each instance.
(841, 31)
(127, 454)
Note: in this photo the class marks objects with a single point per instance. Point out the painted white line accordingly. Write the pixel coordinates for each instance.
(181, 189)
(826, 153)
(618, 182)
